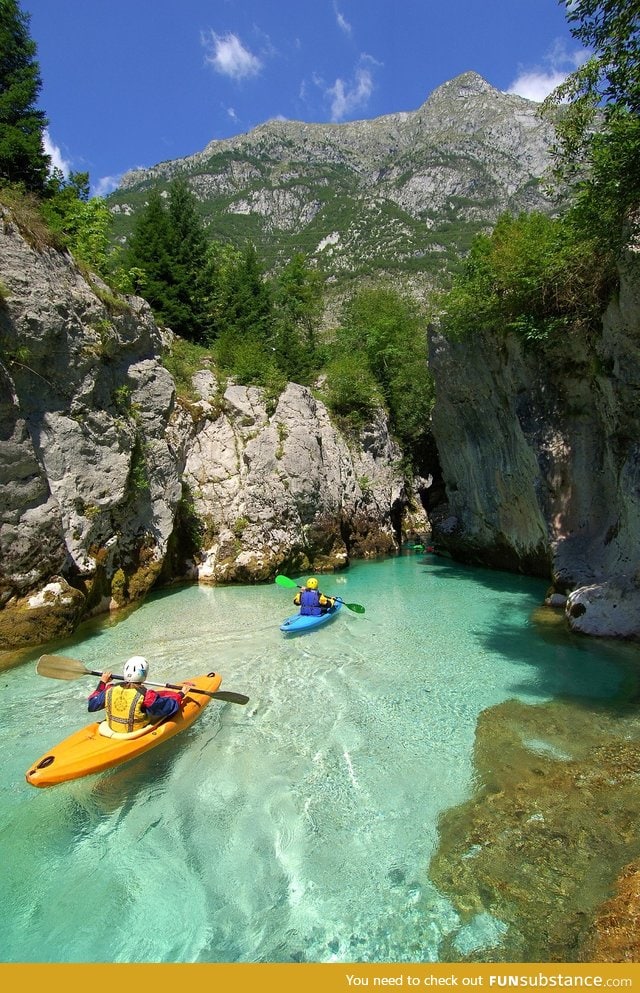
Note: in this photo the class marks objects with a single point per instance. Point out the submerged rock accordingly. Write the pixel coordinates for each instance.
(616, 930)
(550, 830)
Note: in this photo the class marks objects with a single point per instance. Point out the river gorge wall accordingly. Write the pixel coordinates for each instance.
(539, 447)
(111, 484)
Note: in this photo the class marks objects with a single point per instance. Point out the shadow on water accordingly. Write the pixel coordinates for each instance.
(492, 579)
(568, 665)
(546, 643)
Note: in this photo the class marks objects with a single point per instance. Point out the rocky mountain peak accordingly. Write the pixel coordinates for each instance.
(463, 86)
(400, 195)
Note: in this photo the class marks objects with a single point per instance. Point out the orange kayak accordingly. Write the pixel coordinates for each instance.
(88, 751)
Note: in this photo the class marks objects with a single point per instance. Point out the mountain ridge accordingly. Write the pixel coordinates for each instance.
(402, 193)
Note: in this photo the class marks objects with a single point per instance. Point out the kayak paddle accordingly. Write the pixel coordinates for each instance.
(289, 584)
(63, 667)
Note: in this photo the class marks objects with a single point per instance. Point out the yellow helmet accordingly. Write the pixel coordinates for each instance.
(312, 584)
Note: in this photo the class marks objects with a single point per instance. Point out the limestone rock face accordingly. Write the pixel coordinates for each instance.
(541, 461)
(493, 515)
(89, 483)
(286, 490)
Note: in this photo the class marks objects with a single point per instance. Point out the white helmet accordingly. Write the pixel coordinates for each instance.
(135, 669)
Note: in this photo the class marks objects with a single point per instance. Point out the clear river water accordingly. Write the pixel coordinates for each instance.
(298, 827)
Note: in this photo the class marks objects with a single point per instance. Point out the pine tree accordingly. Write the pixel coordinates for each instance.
(149, 254)
(297, 296)
(248, 306)
(22, 156)
(191, 267)
(169, 247)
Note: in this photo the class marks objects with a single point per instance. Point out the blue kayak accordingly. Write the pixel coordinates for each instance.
(299, 623)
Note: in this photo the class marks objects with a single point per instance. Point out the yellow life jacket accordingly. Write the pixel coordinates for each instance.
(123, 704)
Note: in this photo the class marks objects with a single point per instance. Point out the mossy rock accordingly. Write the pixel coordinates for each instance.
(22, 625)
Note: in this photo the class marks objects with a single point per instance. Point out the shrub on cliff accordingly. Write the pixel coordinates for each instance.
(535, 275)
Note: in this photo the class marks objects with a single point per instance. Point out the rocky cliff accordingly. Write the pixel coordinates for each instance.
(288, 491)
(540, 457)
(109, 484)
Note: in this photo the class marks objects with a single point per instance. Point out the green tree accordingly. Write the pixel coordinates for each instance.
(388, 331)
(22, 156)
(173, 266)
(351, 389)
(90, 243)
(536, 276)
(188, 306)
(149, 254)
(244, 344)
(82, 224)
(297, 300)
(610, 28)
(599, 128)
(248, 306)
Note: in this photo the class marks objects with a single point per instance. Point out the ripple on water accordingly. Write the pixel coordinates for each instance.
(302, 826)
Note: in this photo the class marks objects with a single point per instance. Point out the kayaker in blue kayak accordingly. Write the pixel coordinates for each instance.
(130, 705)
(311, 601)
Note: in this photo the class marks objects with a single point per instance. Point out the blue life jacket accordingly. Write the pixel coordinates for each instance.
(310, 603)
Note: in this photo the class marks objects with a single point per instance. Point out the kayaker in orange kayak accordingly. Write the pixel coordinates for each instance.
(130, 705)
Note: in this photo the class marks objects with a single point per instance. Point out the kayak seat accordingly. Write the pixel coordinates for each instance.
(106, 732)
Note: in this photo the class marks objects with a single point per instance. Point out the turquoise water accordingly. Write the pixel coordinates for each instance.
(298, 827)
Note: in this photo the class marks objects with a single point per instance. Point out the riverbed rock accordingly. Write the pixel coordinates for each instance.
(551, 828)
(615, 934)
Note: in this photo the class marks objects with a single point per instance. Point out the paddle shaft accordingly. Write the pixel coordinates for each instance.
(147, 682)
(63, 667)
(220, 694)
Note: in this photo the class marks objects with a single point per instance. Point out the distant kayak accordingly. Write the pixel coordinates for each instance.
(95, 748)
(299, 623)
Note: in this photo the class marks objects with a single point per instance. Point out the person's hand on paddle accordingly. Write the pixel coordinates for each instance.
(106, 676)
(184, 689)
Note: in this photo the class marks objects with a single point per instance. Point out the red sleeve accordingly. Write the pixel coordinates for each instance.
(151, 696)
(100, 688)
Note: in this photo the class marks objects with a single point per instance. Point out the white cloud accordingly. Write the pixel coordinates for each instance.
(538, 82)
(105, 185)
(232, 114)
(343, 23)
(349, 97)
(229, 57)
(57, 160)
(536, 85)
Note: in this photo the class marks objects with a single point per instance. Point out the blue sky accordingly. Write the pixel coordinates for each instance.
(130, 83)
